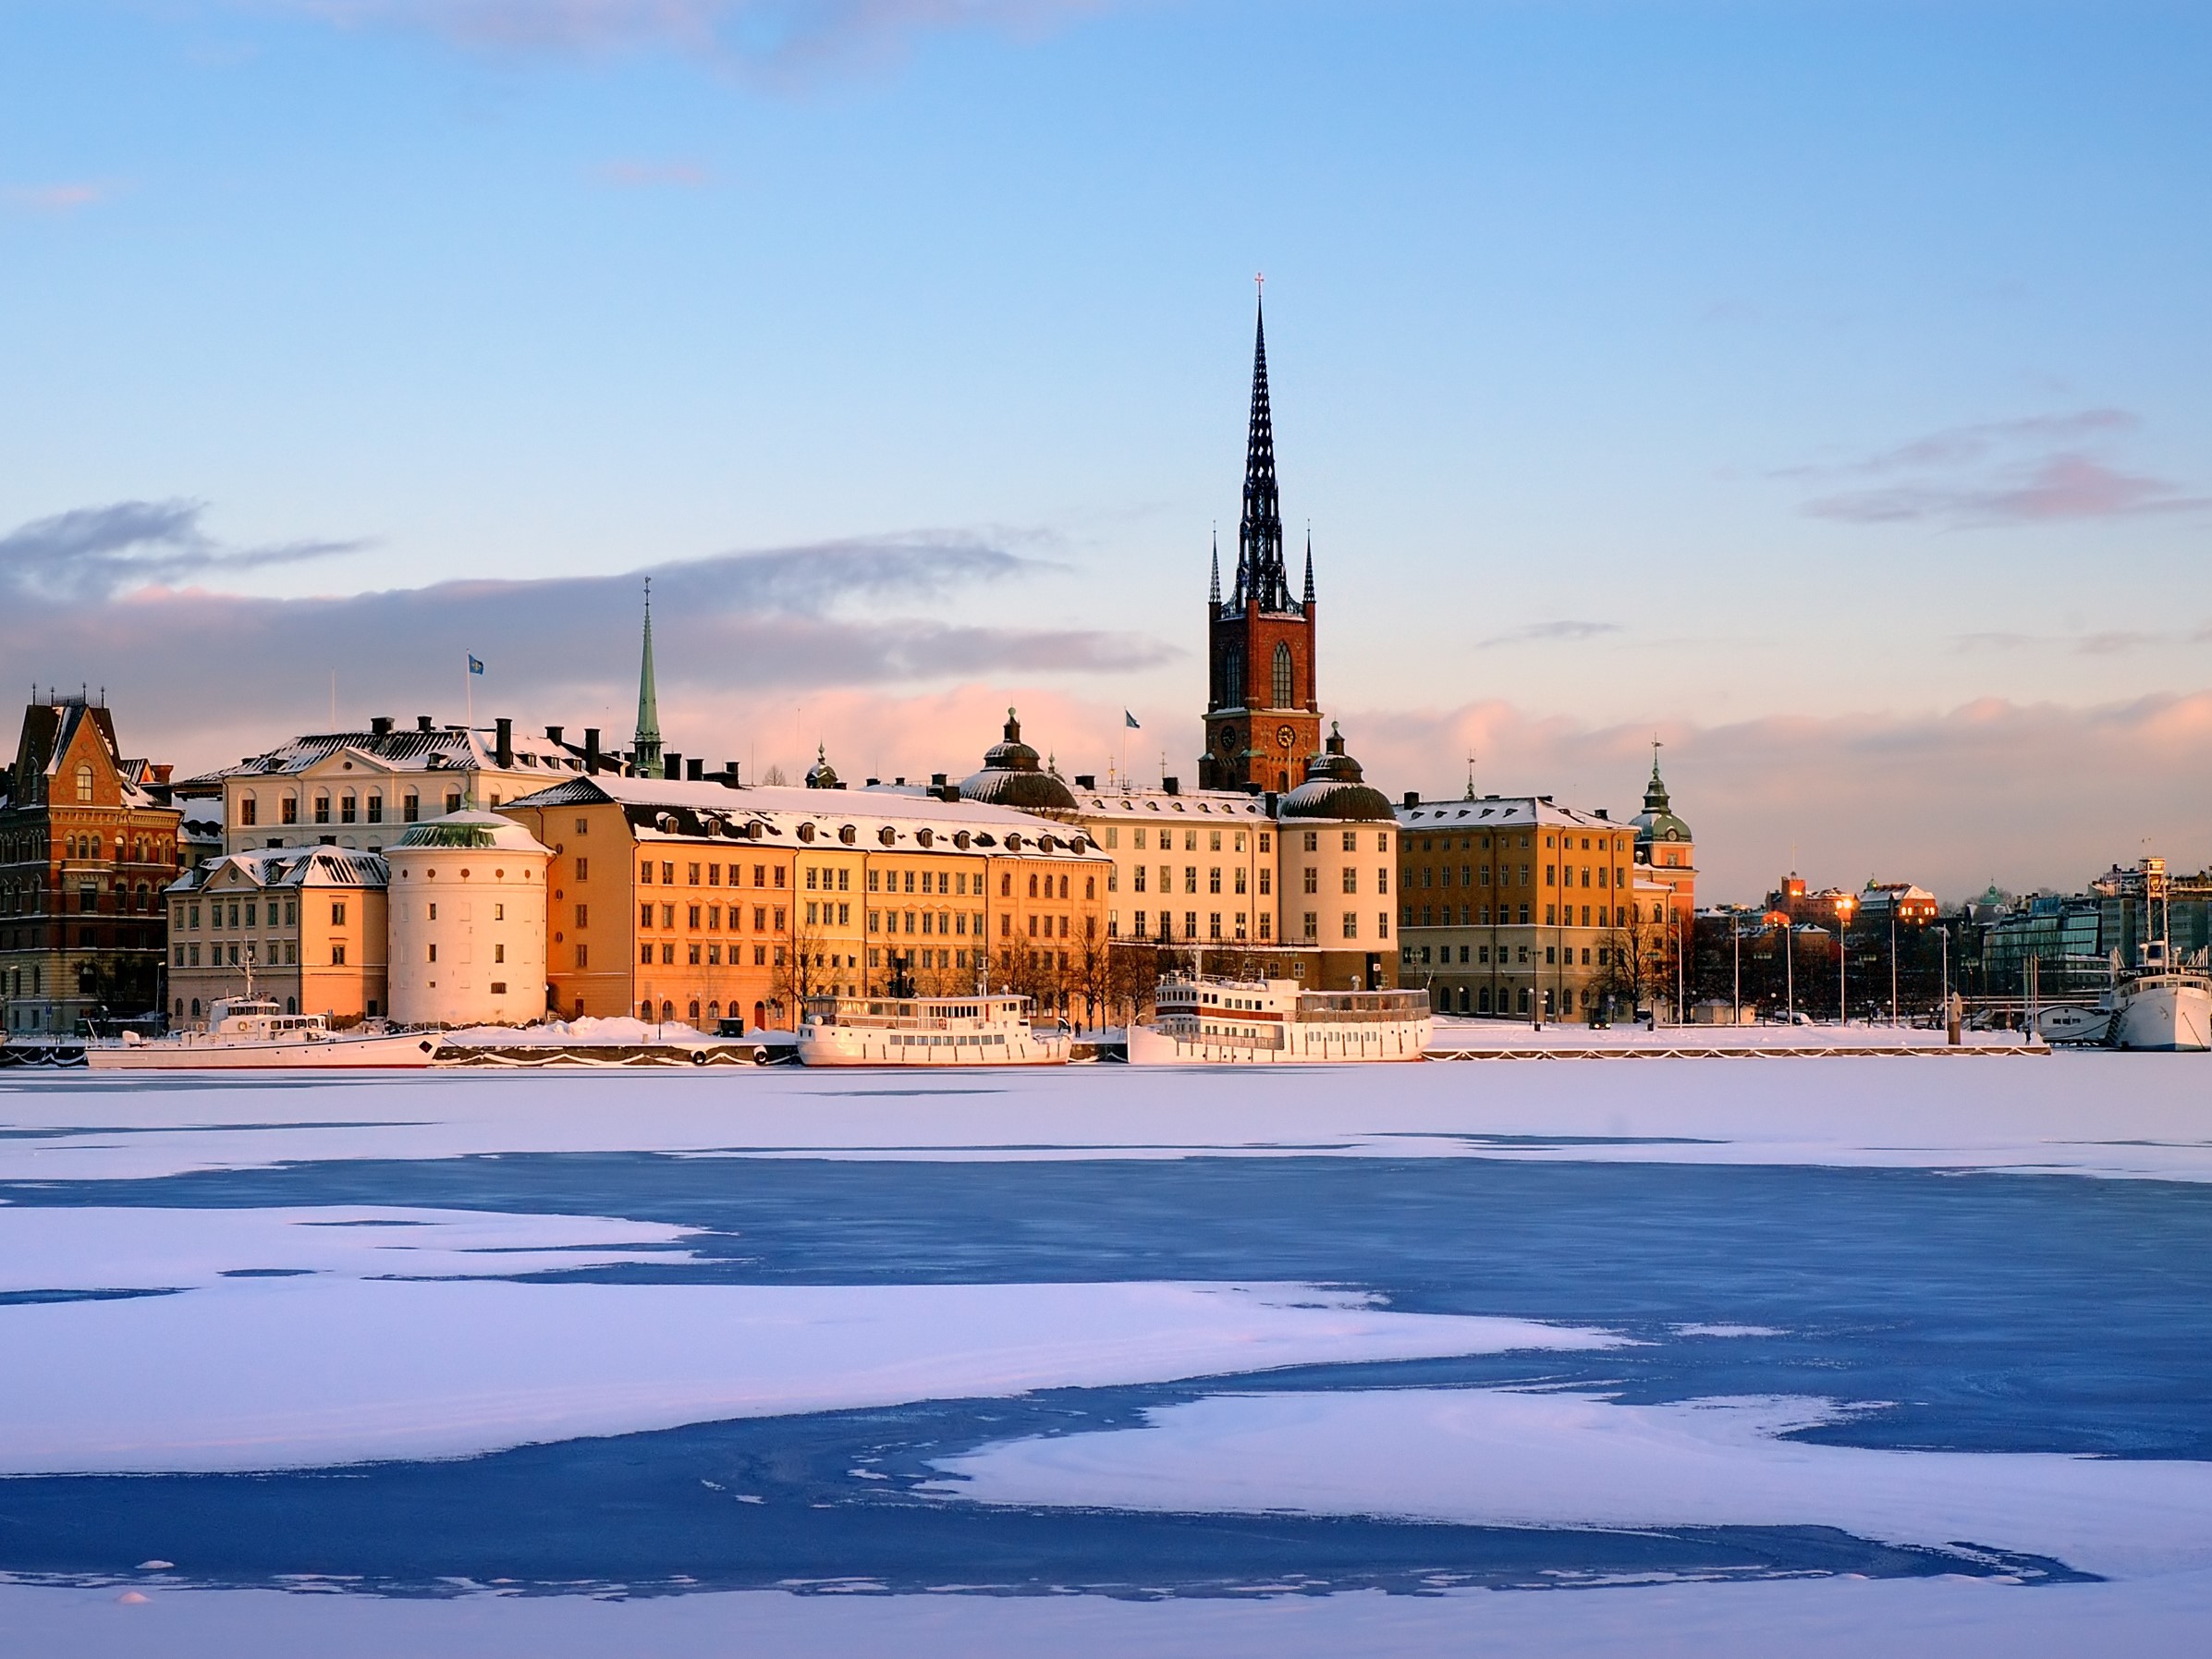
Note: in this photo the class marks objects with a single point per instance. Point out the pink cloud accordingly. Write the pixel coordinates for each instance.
(59, 198)
(779, 36)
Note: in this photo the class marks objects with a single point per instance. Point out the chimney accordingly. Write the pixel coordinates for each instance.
(949, 794)
(422, 723)
(729, 776)
(553, 734)
(1412, 799)
(694, 770)
(590, 749)
(1085, 780)
(381, 727)
(1267, 802)
(1601, 812)
(672, 766)
(1171, 785)
(936, 780)
(873, 783)
(505, 751)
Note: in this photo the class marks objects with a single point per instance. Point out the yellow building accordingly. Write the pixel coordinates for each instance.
(700, 901)
(305, 927)
(1515, 907)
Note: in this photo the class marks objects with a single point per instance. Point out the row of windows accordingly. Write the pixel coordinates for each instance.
(710, 950)
(712, 914)
(714, 873)
(1111, 837)
(1141, 922)
(1139, 876)
(350, 808)
(272, 953)
(1618, 844)
(20, 898)
(1482, 957)
(1554, 915)
(227, 914)
(1479, 875)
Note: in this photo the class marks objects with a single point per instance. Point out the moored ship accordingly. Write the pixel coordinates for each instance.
(2161, 1005)
(925, 1030)
(1209, 1021)
(252, 1035)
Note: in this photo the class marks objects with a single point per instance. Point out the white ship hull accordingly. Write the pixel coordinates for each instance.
(193, 1052)
(1299, 1045)
(2173, 1012)
(862, 1045)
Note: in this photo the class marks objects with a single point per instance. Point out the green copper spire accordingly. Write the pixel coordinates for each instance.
(647, 743)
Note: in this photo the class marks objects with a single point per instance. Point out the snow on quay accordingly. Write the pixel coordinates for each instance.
(2095, 1114)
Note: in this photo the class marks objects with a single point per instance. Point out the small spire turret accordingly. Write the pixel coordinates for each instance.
(646, 743)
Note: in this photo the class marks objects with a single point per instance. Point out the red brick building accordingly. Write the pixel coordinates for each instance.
(88, 841)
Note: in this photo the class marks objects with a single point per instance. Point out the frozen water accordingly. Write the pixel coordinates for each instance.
(1189, 1335)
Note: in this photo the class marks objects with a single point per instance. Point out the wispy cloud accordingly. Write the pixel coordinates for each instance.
(2033, 470)
(66, 198)
(95, 594)
(2094, 642)
(93, 553)
(775, 37)
(1537, 632)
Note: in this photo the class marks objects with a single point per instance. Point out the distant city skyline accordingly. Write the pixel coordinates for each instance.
(1820, 392)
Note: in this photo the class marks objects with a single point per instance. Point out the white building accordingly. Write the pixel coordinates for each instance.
(467, 923)
(364, 789)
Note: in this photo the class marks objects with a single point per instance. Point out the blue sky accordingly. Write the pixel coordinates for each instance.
(1820, 385)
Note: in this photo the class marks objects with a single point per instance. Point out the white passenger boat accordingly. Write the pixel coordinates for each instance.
(251, 1034)
(925, 1030)
(2160, 1005)
(1241, 1022)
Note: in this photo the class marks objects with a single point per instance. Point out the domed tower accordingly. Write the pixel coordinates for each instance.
(1263, 716)
(822, 775)
(1340, 845)
(1012, 777)
(1665, 844)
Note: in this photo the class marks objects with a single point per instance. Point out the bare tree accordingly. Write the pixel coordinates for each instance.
(800, 969)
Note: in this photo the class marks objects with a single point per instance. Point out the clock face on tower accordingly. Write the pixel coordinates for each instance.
(1229, 739)
(1284, 737)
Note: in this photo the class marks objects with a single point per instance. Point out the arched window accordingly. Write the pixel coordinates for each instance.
(291, 1006)
(249, 809)
(1232, 680)
(645, 1009)
(668, 1013)
(84, 781)
(1284, 691)
(694, 1013)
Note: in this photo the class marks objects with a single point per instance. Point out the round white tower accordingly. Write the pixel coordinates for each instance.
(467, 923)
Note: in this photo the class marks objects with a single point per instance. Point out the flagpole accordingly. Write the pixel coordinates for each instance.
(469, 694)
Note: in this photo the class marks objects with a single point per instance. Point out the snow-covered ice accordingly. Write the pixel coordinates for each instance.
(290, 1373)
(1589, 1323)
(1499, 1457)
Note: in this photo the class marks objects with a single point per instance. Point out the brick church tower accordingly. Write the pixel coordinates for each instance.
(1263, 719)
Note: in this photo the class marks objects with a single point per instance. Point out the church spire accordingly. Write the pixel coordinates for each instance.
(1309, 567)
(646, 745)
(1213, 587)
(1260, 532)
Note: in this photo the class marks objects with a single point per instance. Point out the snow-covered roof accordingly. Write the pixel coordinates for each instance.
(1499, 811)
(1124, 801)
(465, 830)
(286, 867)
(407, 748)
(665, 809)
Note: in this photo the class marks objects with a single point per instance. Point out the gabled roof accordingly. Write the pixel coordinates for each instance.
(286, 867)
(50, 731)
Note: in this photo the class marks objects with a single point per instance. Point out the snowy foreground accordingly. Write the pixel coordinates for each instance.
(1907, 1355)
